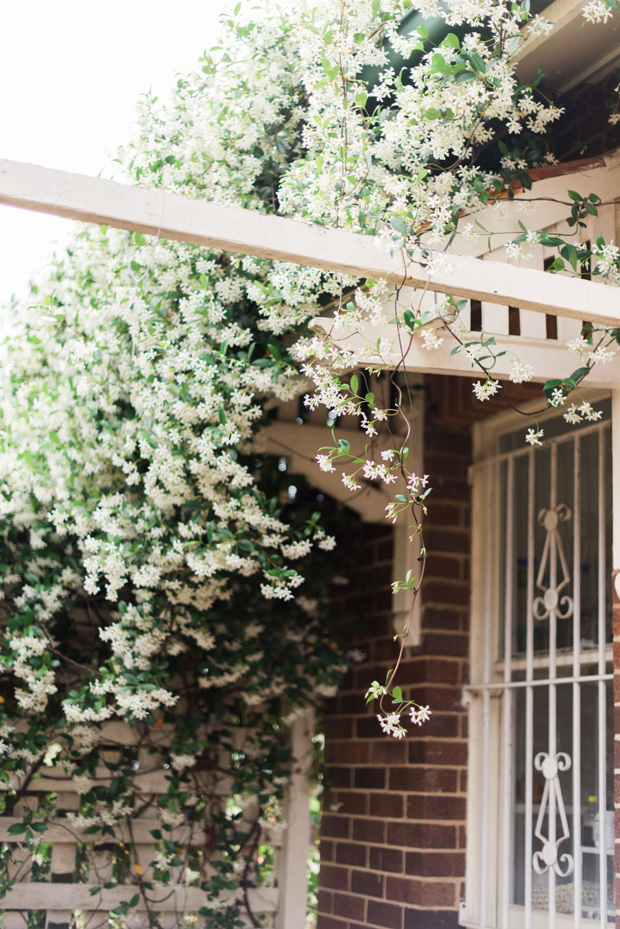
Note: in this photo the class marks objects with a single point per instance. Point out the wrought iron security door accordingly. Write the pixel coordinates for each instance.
(540, 828)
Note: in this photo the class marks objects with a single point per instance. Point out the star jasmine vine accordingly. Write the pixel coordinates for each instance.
(148, 573)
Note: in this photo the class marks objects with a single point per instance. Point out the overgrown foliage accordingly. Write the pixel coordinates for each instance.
(147, 576)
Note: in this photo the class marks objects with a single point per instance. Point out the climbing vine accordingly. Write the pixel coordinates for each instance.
(148, 574)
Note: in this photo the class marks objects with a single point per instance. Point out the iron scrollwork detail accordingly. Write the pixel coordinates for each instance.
(553, 552)
(548, 856)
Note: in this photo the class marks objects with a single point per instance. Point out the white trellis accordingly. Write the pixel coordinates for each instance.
(70, 894)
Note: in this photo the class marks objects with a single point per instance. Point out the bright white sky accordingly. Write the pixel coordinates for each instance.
(71, 73)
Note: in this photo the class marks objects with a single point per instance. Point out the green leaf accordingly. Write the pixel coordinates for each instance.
(401, 498)
(574, 195)
(397, 695)
(361, 99)
(440, 64)
(398, 224)
(354, 383)
(17, 829)
(432, 113)
(463, 77)
(477, 62)
(579, 374)
(451, 41)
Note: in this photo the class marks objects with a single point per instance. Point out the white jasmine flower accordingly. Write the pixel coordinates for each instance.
(534, 436)
(521, 372)
(486, 390)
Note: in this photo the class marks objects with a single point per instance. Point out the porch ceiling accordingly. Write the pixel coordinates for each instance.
(594, 49)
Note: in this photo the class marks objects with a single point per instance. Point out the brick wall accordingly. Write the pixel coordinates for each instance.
(393, 830)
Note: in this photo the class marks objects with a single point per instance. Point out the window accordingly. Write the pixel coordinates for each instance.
(540, 821)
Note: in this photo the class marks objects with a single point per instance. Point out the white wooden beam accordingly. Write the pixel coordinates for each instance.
(549, 358)
(248, 232)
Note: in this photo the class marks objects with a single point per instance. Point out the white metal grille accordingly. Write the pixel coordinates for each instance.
(540, 850)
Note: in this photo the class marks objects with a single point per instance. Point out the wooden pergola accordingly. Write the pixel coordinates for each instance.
(248, 232)
(234, 229)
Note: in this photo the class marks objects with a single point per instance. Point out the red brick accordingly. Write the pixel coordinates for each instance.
(388, 805)
(425, 919)
(448, 618)
(325, 901)
(451, 441)
(385, 859)
(349, 801)
(443, 643)
(338, 777)
(421, 835)
(348, 752)
(336, 827)
(441, 513)
(440, 699)
(369, 830)
(448, 465)
(440, 726)
(367, 883)
(432, 671)
(326, 850)
(338, 728)
(454, 540)
(370, 778)
(367, 727)
(429, 780)
(351, 854)
(333, 877)
(435, 864)
(385, 915)
(349, 906)
(453, 593)
(328, 922)
(388, 752)
(438, 752)
(423, 893)
(443, 566)
(422, 806)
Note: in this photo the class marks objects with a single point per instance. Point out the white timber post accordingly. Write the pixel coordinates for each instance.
(293, 857)
(615, 567)
(615, 482)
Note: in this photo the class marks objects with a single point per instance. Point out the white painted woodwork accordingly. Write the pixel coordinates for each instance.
(293, 859)
(615, 484)
(155, 212)
(549, 358)
(54, 897)
(64, 892)
(593, 48)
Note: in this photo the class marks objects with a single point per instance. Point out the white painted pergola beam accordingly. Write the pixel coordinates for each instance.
(230, 228)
